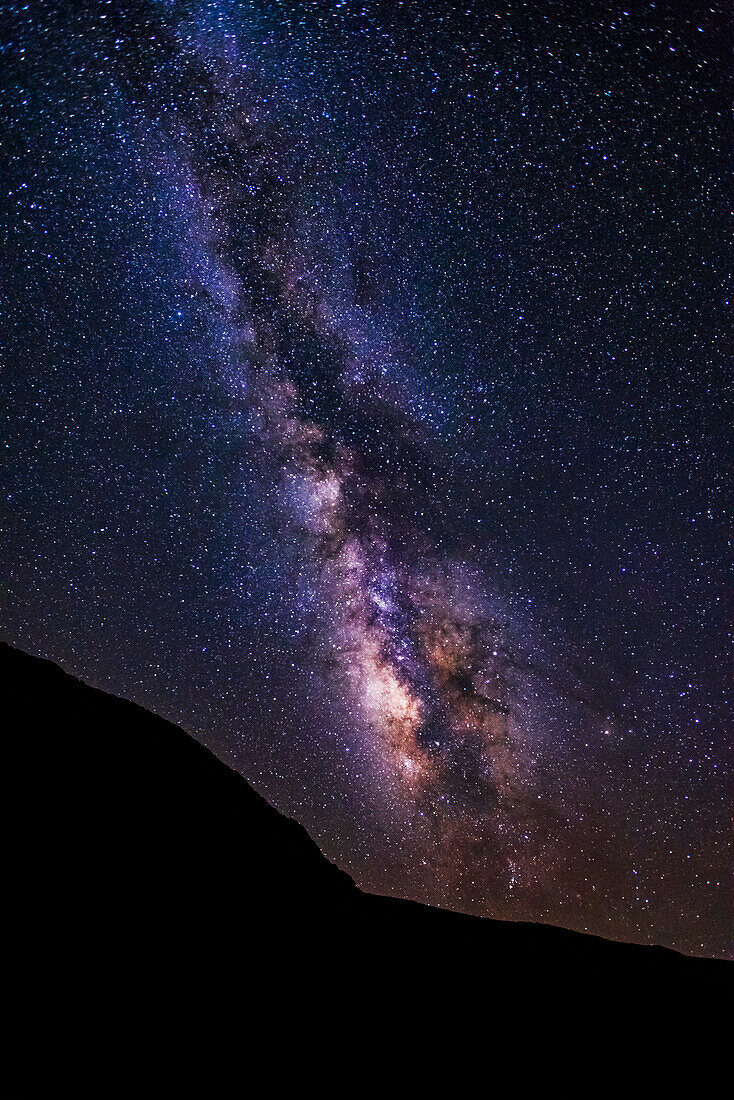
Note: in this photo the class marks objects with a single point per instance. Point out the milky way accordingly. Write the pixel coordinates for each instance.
(340, 427)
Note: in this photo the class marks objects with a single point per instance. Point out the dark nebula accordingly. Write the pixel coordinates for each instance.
(364, 365)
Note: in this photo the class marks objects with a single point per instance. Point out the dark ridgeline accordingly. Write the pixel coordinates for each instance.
(149, 883)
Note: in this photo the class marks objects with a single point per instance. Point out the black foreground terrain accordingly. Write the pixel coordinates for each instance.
(148, 883)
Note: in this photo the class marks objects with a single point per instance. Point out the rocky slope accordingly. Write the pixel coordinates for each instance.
(144, 871)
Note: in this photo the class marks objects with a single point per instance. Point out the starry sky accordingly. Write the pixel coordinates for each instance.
(364, 366)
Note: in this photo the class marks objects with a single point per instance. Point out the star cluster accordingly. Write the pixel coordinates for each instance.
(365, 365)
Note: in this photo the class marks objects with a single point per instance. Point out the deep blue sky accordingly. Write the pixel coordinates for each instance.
(365, 370)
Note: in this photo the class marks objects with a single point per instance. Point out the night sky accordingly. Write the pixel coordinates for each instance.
(364, 366)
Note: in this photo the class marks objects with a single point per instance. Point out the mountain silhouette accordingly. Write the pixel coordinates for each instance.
(147, 880)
